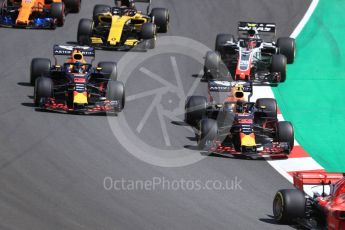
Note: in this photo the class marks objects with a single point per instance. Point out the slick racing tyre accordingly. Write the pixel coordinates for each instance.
(287, 47)
(285, 133)
(100, 9)
(148, 31)
(85, 30)
(39, 67)
(109, 70)
(221, 40)
(116, 92)
(161, 18)
(208, 133)
(195, 109)
(278, 65)
(57, 11)
(150, 43)
(267, 108)
(43, 89)
(288, 205)
(212, 65)
(72, 6)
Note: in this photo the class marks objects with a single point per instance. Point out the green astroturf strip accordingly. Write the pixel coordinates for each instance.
(313, 96)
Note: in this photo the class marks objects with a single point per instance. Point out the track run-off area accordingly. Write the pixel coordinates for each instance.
(312, 96)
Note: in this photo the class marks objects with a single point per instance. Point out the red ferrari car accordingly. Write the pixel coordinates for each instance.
(317, 203)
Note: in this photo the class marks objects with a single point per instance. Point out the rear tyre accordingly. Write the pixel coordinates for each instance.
(267, 108)
(85, 29)
(116, 92)
(100, 9)
(39, 67)
(278, 65)
(72, 6)
(195, 109)
(43, 89)
(109, 70)
(285, 133)
(223, 39)
(148, 31)
(161, 19)
(57, 11)
(287, 47)
(212, 65)
(208, 133)
(288, 205)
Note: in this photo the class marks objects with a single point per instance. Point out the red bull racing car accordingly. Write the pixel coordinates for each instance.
(317, 203)
(76, 86)
(254, 56)
(236, 126)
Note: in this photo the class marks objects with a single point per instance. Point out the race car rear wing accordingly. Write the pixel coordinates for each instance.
(67, 50)
(225, 86)
(261, 28)
(300, 179)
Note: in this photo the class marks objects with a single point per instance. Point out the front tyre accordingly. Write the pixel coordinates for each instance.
(208, 133)
(161, 18)
(57, 11)
(195, 109)
(43, 89)
(278, 65)
(116, 93)
(287, 47)
(285, 133)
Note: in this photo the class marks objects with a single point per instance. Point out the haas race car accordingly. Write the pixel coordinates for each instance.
(318, 202)
(123, 27)
(228, 123)
(36, 14)
(76, 86)
(254, 56)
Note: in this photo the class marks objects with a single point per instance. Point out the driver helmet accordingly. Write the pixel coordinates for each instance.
(238, 91)
(127, 3)
(117, 11)
(251, 39)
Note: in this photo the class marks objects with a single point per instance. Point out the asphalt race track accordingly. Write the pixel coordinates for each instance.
(52, 166)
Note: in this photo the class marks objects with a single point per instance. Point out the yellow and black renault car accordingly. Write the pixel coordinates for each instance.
(123, 27)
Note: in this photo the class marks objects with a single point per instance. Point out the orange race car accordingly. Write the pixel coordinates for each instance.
(36, 14)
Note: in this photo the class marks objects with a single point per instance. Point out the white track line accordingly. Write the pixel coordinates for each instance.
(298, 164)
(305, 19)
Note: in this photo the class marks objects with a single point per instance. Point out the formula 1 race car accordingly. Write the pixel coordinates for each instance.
(254, 56)
(36, 14)
(123, 28)
(232, 125)
(323, 209)
(76, 86)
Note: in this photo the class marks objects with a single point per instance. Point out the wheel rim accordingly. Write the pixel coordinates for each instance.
(278, 207)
